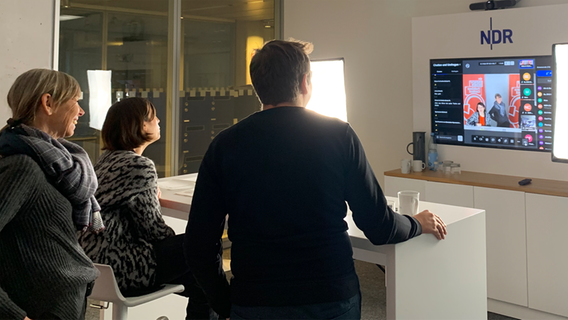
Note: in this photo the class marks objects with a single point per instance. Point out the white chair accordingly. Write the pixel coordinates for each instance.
(106, 289)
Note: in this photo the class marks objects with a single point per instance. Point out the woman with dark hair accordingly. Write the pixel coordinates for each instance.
(47, 187)
(479, 117)
(142, 250)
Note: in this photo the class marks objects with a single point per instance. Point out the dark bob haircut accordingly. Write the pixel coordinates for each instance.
(124, 124)
(278, 68)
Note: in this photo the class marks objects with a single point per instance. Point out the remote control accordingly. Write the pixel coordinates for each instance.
(524, 182)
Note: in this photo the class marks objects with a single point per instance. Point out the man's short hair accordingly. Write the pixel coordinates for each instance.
(278, 68)
(497, 95)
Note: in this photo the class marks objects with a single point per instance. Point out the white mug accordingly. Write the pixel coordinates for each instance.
(418, 165)
(408, 202)
(405, 165)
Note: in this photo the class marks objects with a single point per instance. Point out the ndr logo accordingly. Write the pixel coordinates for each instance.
(492, 37)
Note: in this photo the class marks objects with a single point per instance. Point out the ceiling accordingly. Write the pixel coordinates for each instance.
(217, 9)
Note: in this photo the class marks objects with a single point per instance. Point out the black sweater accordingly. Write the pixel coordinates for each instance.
(284, 176)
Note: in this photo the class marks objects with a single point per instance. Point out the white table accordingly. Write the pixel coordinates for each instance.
(431, 279)
(426, 278)
(177, 193)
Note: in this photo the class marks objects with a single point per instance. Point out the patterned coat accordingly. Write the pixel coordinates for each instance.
(131, 213)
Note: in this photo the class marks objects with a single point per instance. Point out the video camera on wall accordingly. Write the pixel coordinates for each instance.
(493, 4)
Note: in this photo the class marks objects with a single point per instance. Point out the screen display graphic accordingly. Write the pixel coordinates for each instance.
(493, 102)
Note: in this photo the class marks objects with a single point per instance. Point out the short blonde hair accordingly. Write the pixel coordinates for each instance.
(24, 96)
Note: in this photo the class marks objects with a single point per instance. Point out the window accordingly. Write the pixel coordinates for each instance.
(188, 57)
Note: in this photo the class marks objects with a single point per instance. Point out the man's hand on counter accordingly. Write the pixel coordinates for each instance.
(432, 224)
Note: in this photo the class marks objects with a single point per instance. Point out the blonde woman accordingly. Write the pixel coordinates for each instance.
(47, 187)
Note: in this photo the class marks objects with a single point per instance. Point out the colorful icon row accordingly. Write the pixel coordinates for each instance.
(528, 107)
(529, 138)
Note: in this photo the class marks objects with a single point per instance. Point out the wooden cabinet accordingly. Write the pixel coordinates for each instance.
(525, 235)
(393, 185)
(505, 230)
(547, 218)
(452, 194)
(506, 243)
(443, 193)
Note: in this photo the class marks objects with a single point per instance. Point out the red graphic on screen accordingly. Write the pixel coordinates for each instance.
(473, 92)
(514, 99)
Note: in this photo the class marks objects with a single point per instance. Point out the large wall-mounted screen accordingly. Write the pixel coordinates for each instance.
(499, 102)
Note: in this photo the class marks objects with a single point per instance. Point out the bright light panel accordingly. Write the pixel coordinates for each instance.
(560, 129)
(66, 17)
(328, 89)
(99, 96)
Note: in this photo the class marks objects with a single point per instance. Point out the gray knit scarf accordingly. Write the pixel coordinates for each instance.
(66, 165)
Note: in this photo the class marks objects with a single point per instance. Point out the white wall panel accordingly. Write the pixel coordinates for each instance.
(27, 37)
(535, 29)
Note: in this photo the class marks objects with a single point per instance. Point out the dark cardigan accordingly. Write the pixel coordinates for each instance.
(43, 270)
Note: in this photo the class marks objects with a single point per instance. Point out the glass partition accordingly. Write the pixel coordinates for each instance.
(80, 43)
(131, 42)
(215, 92)
(201, 48)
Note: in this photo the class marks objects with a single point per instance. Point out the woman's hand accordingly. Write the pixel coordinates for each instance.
(159, 193)
(432, 224)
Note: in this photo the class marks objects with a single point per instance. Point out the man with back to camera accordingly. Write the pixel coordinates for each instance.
(499, 112)
(283, 175)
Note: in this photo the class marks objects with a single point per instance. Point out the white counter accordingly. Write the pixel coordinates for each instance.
(431, 279)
